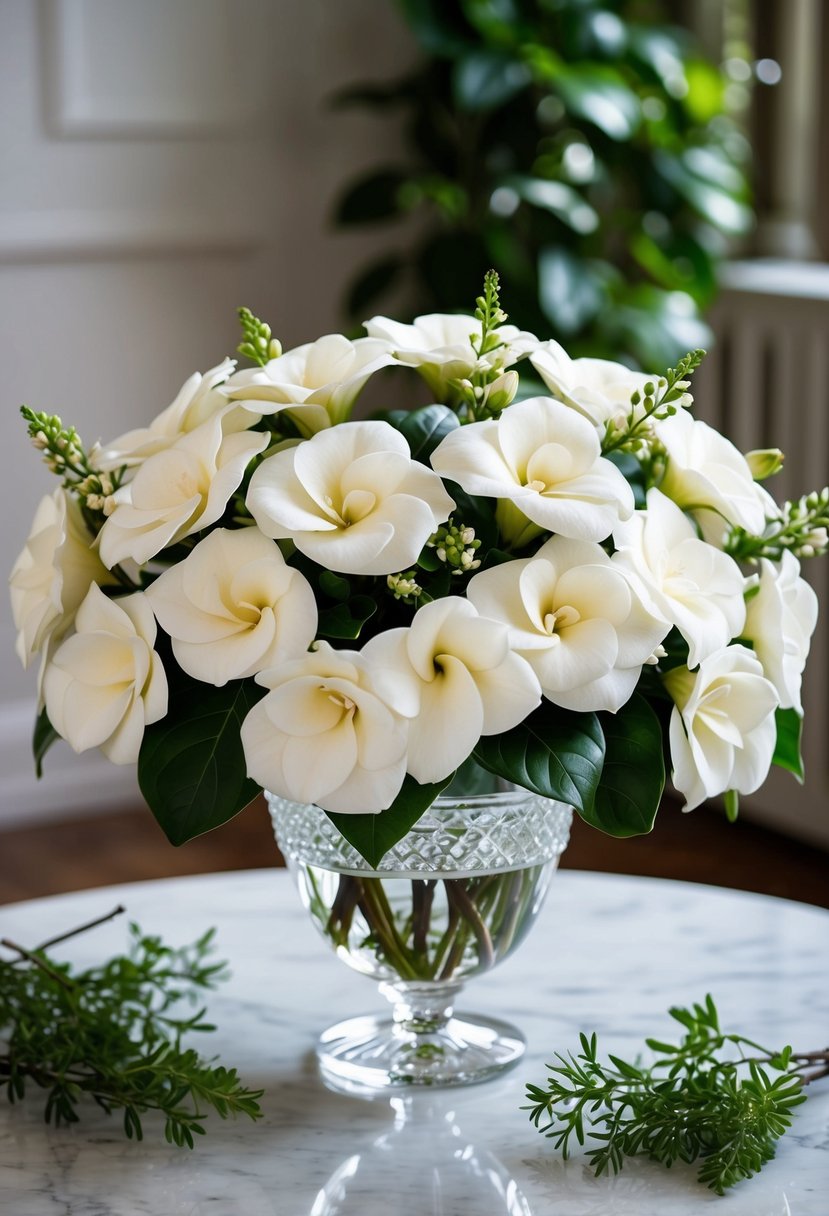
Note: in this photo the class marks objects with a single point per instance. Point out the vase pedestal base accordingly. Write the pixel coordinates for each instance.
(367, 1055)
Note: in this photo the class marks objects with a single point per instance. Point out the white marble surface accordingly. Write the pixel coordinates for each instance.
(608, 954)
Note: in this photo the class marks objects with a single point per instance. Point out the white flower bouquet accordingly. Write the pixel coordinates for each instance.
(553, 573)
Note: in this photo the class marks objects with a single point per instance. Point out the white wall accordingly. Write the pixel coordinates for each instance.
(161, 162)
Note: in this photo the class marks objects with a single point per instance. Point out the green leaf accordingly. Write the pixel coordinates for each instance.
(565, 203)
(371, 198)
(374, 281)
(570, 291)
(191, 767)
(600, 96)
(42, 739)
(423, 429)
(633, 776)
(334, 585)
(554, 752)
(345, 621)
(485, 79)
(787, 751)
(373, 835)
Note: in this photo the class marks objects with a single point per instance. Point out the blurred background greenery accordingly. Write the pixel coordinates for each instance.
(588, 149)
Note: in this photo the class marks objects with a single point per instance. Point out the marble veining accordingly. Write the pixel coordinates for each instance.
(608, 953)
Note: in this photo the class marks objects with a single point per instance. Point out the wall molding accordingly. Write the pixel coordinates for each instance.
(71, 785)
(50, 236)
(158, 70)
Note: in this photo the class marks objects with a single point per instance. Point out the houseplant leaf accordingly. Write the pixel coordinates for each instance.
(633, 776)
(373, 835)
(554, 752)
(191, 767)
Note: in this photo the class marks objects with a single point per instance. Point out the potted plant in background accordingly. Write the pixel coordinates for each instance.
(429, 634)
(586, 147)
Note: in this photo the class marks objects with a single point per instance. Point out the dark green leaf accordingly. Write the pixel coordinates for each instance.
(787, 751)
(374, 281)
(374, 197)
(373, 835)
(345, 621)
(334, 585)
(600, 96)
(709, 200)
(42, 739)
(484, 79)
(569, 293)
(633, 776)
(565, 203)
(423, 429)
(191, 767)
(554, 752)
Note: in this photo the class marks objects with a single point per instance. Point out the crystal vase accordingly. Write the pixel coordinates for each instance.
(451, 900)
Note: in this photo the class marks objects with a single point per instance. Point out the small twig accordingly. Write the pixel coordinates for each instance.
(92, 924)
(806, 1078)
(38, 962)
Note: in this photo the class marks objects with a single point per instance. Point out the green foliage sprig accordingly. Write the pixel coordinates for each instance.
(661, 399)
(696, 1101)
(65, 455)
(113, 1033)
(802, 527)
(257, 343)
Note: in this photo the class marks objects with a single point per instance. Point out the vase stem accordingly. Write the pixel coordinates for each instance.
(421, 1010)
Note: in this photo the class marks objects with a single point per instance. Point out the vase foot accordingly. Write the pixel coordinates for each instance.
(368, 1054)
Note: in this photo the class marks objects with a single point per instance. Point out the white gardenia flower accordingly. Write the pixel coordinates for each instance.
(52, 574)
(106, 683)
(723, 729)
(438, 345)
(706, 473)
(324, 734)
(233, 607)
(315, 384)
(178, 491)
(197, 400)
(577, 618)
(453, 674)
(688, 582)
(544, 461)
(351, 498)
(780, 619)
(598, 388)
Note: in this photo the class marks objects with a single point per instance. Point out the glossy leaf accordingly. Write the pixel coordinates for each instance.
(424, 429)
(191, 767)
(554, 752)
(570, 295)
(374, 197)
(42, 739)
(633, 776)
(565, 203)
(373, 835)
(787, 751)
(345, 621)
(375, 281)
(487, 78)
(600, 96)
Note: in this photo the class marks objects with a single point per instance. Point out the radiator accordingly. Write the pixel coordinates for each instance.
(765, 383)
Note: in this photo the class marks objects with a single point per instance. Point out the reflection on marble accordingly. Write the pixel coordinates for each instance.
(426, 1153)
(608, 953)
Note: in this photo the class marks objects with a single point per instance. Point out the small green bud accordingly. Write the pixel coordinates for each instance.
(764, 462)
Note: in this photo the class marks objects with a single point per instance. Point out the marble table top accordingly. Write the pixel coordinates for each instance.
(608, 953)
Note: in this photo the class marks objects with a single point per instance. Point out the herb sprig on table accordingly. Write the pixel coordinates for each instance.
(113, 1033)
(697, 1100)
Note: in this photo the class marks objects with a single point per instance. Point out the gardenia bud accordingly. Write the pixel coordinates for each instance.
(765, 462)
